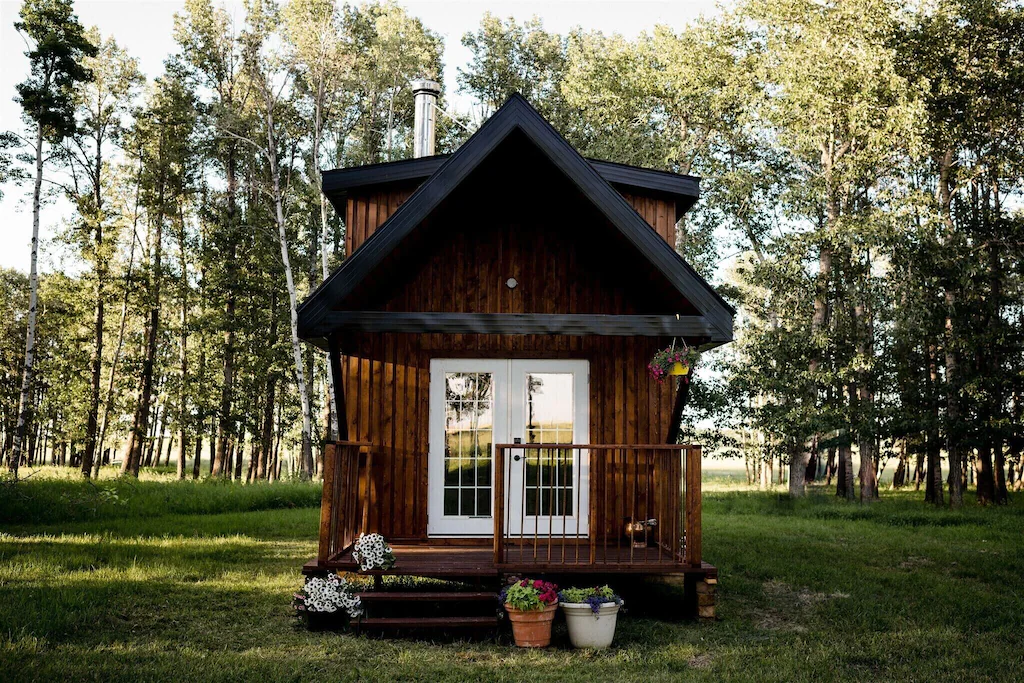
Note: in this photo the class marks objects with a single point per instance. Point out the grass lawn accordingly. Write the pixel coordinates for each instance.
(174, 581)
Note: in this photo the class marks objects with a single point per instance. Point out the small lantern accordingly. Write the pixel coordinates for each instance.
(639, 532)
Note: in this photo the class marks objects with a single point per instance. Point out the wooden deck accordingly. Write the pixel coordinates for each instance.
(477, 562)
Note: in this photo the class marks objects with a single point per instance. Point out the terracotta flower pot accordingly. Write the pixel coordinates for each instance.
(532, 628)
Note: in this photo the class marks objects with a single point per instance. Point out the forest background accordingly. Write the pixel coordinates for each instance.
(861, 166)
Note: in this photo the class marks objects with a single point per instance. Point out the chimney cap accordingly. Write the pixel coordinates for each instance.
(425, 85)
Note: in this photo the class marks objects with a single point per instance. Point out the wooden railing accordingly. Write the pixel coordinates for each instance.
(345, 500)
(642, 506)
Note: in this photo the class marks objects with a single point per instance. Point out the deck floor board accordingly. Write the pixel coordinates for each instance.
(452, 561)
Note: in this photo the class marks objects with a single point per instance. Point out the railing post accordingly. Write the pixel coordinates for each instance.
(327, 504)
(498, 506)
(693, 507)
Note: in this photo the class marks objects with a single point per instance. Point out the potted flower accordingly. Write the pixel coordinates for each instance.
(590, 614)
(673, 361)
(531, 605)
(325, 599)
(371, 551)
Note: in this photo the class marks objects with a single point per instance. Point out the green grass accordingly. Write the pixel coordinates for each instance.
(49, 497)
(199, 588)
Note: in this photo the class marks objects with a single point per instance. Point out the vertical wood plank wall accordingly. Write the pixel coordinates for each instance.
(386, 377)
(660, 213)
(366, 210)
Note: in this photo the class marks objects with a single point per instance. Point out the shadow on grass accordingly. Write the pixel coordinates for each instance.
(300, 524)
(809, 590)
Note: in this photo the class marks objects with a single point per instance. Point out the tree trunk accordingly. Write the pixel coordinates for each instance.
(92, 422)
(865, 398)
(199, 455)
(325, 271)
(266, 440)
(25, 396)
(108, 401)
(1016, 454)
(239, 455)
(183, 350)
(213, 444)
(798, 464)
(253, 458)
(224, 426)
(899, 477)
(300, 375)
(133, 459)
(919, 470)
(983, 470)
(1002, 497)
(275, 466)
(953, 431)
(159, 448)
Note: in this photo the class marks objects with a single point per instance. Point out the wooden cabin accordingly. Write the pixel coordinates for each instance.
(489, 335)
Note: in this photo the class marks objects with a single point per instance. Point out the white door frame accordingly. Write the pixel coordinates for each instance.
(571, 525)
(439, 524)
(509, 410)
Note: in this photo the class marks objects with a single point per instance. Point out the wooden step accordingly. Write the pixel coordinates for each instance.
(428, 622)
(427, 596)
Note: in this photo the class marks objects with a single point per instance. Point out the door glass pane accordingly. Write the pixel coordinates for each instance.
(549, 420)
(469, 424)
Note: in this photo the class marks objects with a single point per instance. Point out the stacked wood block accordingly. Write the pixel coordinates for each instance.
(707, 597)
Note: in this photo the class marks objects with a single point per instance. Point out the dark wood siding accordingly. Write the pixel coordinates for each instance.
(386, 377)
(367, 209)
(535, 227)
(659, 212)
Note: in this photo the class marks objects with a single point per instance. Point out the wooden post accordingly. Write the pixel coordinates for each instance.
(327, 503)
(499, 504)
(693, 503)
(334, 354)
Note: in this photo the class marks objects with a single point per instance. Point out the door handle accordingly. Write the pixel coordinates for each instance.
(517, 458)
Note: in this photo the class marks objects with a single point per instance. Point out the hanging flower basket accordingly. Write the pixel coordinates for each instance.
(679, 369)
(673, 362)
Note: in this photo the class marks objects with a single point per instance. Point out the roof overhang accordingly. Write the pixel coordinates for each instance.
(319, 313)
(688, 326)
(684, 190)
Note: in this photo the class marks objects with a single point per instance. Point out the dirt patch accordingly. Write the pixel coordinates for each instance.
(701, 661)
(803, 597)
(913, 562)
(791, 606)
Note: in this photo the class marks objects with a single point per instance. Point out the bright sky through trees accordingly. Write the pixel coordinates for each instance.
(144, 29)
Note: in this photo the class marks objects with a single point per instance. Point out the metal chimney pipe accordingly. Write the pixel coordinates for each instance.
(424, 129)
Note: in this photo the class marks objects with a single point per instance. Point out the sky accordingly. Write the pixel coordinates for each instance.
(144, 29)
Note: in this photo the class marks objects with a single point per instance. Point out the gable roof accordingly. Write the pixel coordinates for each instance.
(684, 190)
(515, 114)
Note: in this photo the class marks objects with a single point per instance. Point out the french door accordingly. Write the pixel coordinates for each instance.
(476, 403)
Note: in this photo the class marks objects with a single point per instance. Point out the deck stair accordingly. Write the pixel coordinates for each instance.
(440, 610)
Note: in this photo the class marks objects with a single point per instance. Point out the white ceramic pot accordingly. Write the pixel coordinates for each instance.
(589, 630)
